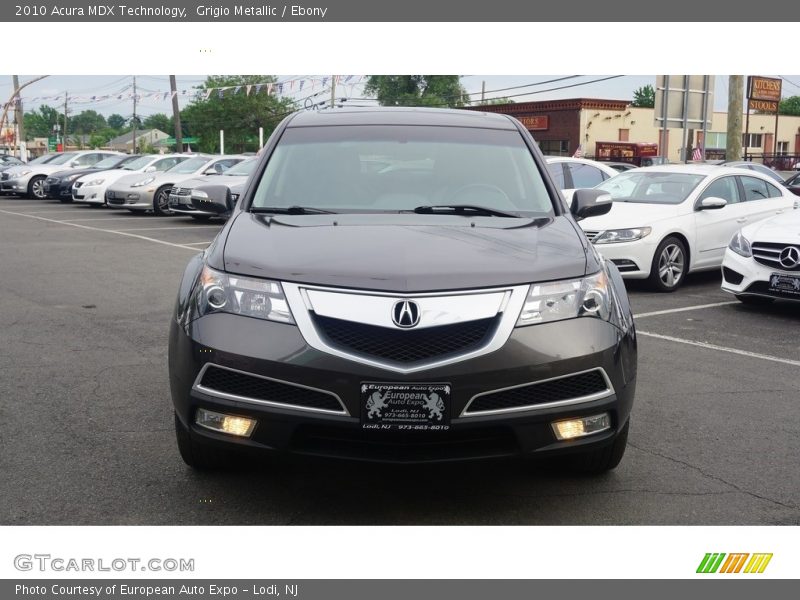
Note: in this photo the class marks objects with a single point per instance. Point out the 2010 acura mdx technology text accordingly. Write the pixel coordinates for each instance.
(403, 285)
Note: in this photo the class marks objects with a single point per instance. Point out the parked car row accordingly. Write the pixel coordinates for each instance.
(137, 183)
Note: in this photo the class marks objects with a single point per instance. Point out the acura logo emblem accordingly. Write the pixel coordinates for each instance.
(405, 313)
(790, 257)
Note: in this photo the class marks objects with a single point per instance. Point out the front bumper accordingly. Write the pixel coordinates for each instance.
(278, 351)
(58, 190)
(90, 194)
(183, 205)
(745, 277)
(633, 259)
(15, 186)
(130, 198)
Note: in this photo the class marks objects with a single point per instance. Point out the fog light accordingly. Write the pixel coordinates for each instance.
(575, 428)
(241, 426)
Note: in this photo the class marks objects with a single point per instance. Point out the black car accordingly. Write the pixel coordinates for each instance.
(59, 185)
(793, 183)
(447, 309)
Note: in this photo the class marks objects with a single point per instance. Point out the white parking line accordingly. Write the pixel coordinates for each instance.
(126, 234)
(684, 309)
(669, 338)
(196, 243)
(100, 218)
(185, 228)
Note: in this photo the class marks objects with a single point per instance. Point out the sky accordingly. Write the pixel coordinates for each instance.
(593, 86)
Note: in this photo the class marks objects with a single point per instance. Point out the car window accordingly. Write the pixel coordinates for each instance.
(651, 186)
(167, 163)
(773, 190)
(557, 173)
(585, 176)
(754, 189)
(88, 160)
(725, 188)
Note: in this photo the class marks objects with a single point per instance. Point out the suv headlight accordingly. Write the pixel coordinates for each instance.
(740, 245)
(143, 182)
(614, 236)
(215, 291)
(559, 300)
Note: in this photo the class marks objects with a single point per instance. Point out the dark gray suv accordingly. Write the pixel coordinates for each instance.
(402, 285)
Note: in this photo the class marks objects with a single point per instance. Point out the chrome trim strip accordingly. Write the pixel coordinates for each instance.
(212, 392)
(533, 407)
(300, 305)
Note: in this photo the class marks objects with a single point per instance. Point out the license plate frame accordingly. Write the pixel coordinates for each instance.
(394, 406)
(783, 284)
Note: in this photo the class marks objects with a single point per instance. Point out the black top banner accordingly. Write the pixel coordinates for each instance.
(402, 11)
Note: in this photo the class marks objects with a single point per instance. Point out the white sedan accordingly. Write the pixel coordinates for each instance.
(762, 261)
(670, 220)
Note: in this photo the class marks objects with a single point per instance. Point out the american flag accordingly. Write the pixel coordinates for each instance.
(578, 152)
(697, 154)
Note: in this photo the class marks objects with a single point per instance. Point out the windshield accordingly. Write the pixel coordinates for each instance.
(189, 166)
(44, 158)
(243, 168)
(64, 158)
(651, 187)
(373, 168)
(107, 163)
(137, 163)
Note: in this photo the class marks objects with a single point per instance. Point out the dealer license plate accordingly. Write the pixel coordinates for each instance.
(788, 285)
(405, 406)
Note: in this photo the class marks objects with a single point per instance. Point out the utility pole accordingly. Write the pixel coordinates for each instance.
(134, 114)
(733, 145)
(19, 117)
(64, 138)
(176, 114)
(483, 92)
(333, 90)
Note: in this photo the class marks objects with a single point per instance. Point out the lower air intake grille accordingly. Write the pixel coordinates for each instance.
(257, 388)
(406, 345)
(555, 390)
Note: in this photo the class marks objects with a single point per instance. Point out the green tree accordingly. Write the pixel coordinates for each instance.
(644, 97)
(417, 90)
(790, 106)
(237, 113)
(116, 121)
(159, 121)
(39, 123)
(490, 101)
(87, 121)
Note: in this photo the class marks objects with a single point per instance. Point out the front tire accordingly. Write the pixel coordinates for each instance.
(36, 188)
(161, 201)
(670, 265)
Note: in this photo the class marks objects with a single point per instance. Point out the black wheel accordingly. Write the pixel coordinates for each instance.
(197, 456)
(161, 201)
(754, 300)
(66, 200)
(601, 460)
(670, 264)
(36, 188)
(200, 217)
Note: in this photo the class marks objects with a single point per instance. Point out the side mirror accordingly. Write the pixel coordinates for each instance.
(712, 203)
(590, 203)
(212, 198)
(150, 169)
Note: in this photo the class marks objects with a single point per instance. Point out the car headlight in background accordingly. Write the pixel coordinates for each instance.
(558, 300)
(615, 236)
(96, 182)
(71, 178)
(143, 182)
(247, 296)
(23, 173)
(740, 245)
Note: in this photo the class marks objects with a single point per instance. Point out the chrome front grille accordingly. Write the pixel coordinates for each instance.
(567, 389)
(768, 254)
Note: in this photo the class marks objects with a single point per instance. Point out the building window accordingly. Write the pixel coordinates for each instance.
(554, 147)
(623, 135)
(752, 140)
(716, 139)
(783, 147)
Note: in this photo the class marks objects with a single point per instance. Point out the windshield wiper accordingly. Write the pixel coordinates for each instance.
(483, 211)
(291, 210)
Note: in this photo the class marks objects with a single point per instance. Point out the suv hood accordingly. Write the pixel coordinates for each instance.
(403, 252)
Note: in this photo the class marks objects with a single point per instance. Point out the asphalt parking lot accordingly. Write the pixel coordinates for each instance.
(87, 437)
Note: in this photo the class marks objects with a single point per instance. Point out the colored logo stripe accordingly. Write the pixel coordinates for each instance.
(733, 564)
